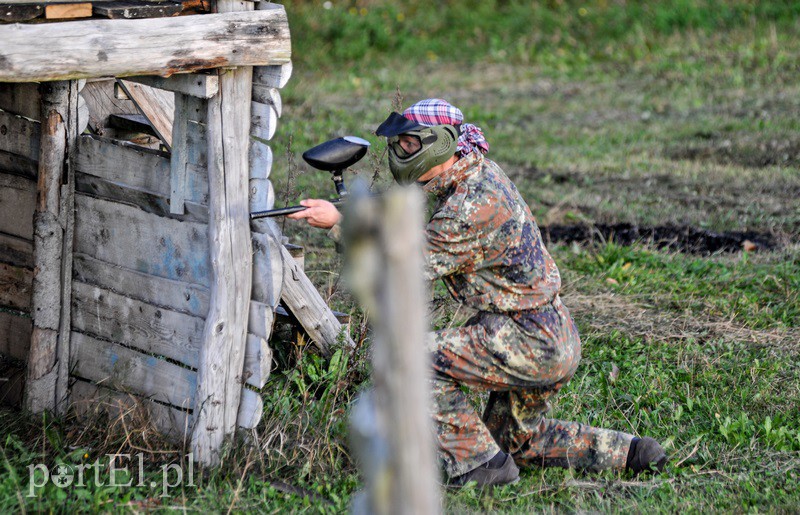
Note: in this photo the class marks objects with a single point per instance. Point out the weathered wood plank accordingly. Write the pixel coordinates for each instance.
(135, 10)
(268, 96)
(21, 99)
(275, 76)
(251, 408)
(267, 270)
(138, 168)
(123, 369)
(151, 329)
(157, 105)
(11, 13)
(17, 204)
(260, 161)
(18, 165)
(102, 102)
(179, 160)
(129, 237)
(16, 251)
(67, 11)
(306, 304)
(257, 361)
(157, 46)
(131, 123)
(15, 287)
(263, 121)
(222, 356)
(15, 335)
(19, 136)
(200, 85)
(144, 200)
(89, 399)
(188, 298)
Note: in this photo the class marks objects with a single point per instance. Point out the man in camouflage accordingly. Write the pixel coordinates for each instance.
(522, 345)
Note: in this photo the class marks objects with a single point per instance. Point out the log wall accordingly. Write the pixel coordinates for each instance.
(19, 152)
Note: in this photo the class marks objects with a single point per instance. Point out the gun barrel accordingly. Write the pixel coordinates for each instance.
(283, 211)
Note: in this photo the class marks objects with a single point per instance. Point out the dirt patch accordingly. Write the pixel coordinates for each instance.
(747, 153)
(674, 238)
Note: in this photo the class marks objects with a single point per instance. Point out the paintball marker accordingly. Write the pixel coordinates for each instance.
(333, 156)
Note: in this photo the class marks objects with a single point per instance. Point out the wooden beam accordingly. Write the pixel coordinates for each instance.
(200, 85)
(158, 46)
(102, 102)
(157, 105)
(134, 10)
(67, 11)
(307, 305)
(222, 356)
(59, 108)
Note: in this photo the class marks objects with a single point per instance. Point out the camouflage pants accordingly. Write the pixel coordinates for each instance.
(523, 361)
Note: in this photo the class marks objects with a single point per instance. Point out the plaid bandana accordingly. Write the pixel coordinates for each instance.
(435, 111)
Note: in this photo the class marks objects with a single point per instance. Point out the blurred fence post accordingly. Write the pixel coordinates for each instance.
(391, 426)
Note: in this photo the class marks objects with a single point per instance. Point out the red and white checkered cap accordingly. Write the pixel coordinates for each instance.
(435, 111)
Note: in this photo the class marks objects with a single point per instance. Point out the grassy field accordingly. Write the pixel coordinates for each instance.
(679, 116)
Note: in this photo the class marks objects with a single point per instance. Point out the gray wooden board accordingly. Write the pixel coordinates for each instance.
(144, 200)
(18, 165)
(15, 335)
(87, 399)
(188, 298)
(101, 101)
(182, 298)
(16, 251)
(129, 237)
(118, 367)
(17, 204)
(199, 85)
(269, 96)
(19, 135)
(275, 76)
(15, 287)
(138, 168)
(151, 329)
(22, 99)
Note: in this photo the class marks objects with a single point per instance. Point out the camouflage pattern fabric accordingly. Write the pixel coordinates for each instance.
(522, 345)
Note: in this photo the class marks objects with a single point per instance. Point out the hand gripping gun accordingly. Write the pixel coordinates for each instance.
(333, 156)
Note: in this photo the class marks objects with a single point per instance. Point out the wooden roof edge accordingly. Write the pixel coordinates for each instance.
(150, 46)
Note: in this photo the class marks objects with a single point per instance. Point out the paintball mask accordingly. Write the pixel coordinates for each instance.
(435, 145)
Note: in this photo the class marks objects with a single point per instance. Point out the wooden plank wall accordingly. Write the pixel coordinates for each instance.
(141, 273)
(19, 152)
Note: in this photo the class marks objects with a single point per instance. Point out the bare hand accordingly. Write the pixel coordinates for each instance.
(320, 213)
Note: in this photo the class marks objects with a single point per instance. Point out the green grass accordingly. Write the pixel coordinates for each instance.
(651, 113)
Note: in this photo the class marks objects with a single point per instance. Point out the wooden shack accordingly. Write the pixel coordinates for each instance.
(133, 146)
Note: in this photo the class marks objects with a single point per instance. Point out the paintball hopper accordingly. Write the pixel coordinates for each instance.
(333, 156)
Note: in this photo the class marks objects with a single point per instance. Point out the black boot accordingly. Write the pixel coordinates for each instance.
(646, 454)
(499, 470)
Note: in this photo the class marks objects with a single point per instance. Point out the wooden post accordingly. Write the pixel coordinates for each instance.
(219, 381)
(58, 110)
(391, 427)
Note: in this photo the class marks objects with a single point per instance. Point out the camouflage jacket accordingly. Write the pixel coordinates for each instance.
(483, 242)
